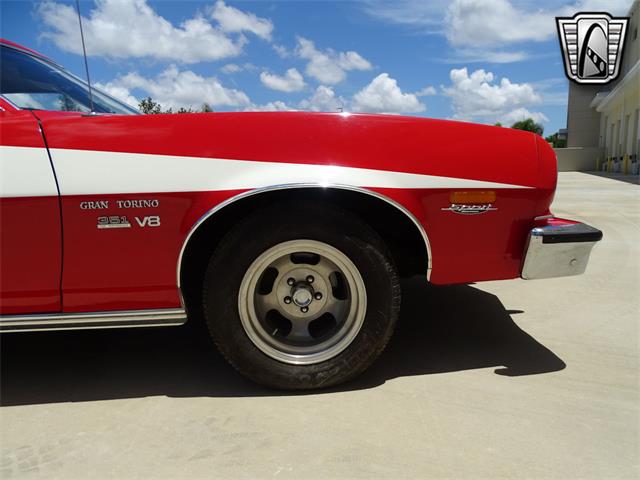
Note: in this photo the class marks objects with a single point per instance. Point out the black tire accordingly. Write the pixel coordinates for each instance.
(269, 227)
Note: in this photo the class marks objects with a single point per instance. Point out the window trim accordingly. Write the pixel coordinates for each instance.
(67, 72)
(9, 103)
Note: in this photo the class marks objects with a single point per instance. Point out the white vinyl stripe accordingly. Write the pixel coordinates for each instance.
(83, 172)
(26, 172)
(89, 172)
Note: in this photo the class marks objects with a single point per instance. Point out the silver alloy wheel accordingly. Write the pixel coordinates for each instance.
(302, 302)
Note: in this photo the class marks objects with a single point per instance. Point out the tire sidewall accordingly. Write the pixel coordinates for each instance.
(247, 241)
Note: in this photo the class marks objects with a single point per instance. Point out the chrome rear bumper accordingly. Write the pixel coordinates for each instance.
(559, 250)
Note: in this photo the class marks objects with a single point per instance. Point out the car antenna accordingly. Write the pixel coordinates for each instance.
(84, 53)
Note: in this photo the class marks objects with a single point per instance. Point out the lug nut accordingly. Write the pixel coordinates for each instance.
(290, 281)
(287, 300)
(304, 309)
(310, 279)
(318, 296)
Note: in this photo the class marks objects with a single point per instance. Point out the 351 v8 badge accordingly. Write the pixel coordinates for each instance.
(114, 221)
(121, 221)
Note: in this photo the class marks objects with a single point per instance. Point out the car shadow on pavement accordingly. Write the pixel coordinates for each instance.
(442, 329)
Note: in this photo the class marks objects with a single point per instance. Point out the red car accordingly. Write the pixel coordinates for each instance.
(286, 233)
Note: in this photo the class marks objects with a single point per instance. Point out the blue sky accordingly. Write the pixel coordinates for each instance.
(475, 60)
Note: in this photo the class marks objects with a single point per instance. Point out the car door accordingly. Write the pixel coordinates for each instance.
(30, 223)
(120, 245)
(121, 238)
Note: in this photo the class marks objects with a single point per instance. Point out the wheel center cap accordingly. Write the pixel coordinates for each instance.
(302, 295)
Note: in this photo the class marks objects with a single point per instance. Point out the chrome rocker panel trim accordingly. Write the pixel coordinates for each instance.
(93, 320)
(559, 251)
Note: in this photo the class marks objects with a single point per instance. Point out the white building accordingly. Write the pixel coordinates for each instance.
(603, 122)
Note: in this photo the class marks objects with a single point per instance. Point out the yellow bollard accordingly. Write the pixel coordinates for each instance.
(608, 164)
(625, 163)
(597, 164)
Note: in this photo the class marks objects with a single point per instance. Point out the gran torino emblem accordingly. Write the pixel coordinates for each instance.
(592, 45)
(463, 209)
(97, 205)
(104, 204)
(153, 203)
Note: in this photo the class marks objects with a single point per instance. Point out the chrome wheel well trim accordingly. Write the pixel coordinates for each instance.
(292, 186)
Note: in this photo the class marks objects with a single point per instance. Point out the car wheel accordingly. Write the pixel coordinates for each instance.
(304, 300)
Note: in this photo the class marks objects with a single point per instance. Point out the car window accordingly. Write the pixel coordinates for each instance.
(31, 82)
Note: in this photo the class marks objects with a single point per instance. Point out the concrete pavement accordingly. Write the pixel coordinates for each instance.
(509, 379)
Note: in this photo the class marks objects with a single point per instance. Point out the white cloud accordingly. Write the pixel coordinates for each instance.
(324, 99)
(482, 23)
(174, 88)
(118, 91)
(291, 81)
(383, 95)
(552, 90)
(426, 92)
(488, 21)
(479, 97)
(132, 29)
(522, 114)
(277, 106)
(231, 68)
(614, 7)
(328, 66)
(423, 15)
(483, 30)
(472, 54)
(233, 20)
(282, 51)
(352, 61)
